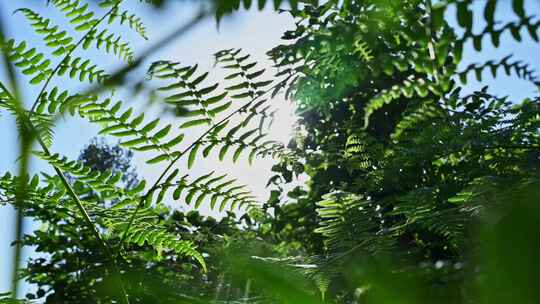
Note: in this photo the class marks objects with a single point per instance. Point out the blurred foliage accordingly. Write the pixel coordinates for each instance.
(222, 8)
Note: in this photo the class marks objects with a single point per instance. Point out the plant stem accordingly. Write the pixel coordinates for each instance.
(23, 166)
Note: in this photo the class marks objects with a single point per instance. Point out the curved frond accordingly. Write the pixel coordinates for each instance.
(220, 190)
(244, 71)
(146, 229)
(137, 136)
(30, 61)
(55, 38)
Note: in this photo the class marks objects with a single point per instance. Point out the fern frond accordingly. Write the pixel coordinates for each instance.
(360, 148)
(522, 70)
(220, 190)
(79, 14)
(249, 86)
(160, 239)
(349, 221)
(31, 62)
(363, 50)
(133, 21)
(55, 38)
(417, 119)
(410, 87)
(124, 125)
(207, 106)
(530, 23)
(61, 102)
(102, 184)
(146, 229)
(420, 207)
(83, 19)
(43, 125)
(242, 144)
(34, 192)
(82, 70)
(110, 43)
(228, 138)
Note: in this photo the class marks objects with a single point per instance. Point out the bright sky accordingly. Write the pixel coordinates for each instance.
(255, 32)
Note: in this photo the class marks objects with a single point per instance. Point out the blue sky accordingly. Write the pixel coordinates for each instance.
(255, 32)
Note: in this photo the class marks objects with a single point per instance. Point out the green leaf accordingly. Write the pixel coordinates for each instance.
(162, 133)
(223, 204)
(214, 99)
(237, 153)
(239, 86)
(150, 126)
(140, 187)
(199, 79)
(39, 78)
(194, 123)
(464, 16)
(256, 74)
(213, 201)
(247, 134)
(133, 142)
(437, 15)
(489, 11)
(192, 155)
(208, 149)
(242, 95)
(178, 191)
(158, 159)
(251, 156)
(137, 120)
(519, 8)
(223, 151)
(221, 108)
(190, 195)
(208, 90)
(220, 127)
(178, 139)
(200, 199)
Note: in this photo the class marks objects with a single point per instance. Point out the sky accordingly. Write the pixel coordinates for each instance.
(256, 33)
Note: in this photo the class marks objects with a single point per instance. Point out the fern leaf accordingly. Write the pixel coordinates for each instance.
(135, 137)
(31, 62)
(217, 187)
(59, 40)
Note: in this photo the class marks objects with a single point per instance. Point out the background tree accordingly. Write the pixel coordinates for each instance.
(398, 158)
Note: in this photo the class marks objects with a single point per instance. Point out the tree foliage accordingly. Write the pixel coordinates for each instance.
(400, 158)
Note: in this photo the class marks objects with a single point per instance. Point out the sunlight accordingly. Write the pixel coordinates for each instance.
(285, 119)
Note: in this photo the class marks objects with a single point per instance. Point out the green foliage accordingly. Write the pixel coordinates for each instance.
(399, 159)
(98, 202)
(219, 189)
